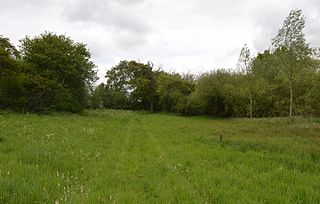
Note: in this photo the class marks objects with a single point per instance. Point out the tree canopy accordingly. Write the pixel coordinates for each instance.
(53, 73)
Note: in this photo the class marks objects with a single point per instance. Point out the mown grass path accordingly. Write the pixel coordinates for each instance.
(134, 157)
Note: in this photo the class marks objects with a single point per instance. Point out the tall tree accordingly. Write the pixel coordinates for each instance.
(245, 67)
(133, 83)
(61, 65)
(12, 93)
(291, 48)
(143, 85)
(8, 56)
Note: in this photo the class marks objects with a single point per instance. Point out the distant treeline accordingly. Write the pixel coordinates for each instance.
(52, 73)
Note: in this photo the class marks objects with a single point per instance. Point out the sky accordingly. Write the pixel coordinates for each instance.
(185, 36)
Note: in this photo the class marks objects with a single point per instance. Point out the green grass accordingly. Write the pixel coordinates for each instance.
(134, 157)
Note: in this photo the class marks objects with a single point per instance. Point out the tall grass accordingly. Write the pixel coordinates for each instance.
(133, 157)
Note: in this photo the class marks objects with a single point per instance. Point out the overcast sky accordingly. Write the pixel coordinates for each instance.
(178, 35)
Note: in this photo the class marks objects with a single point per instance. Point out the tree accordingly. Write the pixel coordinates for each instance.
(8, 57)
(143, 85)
(245, 67)
(173, 91)
(268, 83)
(132, 85)
(117, 87)
(217, 93)
(61, 68)
(97, 97)
(291, 48)
(12, 92)
(10, 49)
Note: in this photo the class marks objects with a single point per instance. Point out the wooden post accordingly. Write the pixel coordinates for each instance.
(221, 138)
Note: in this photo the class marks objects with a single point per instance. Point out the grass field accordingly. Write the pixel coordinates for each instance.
(135, 157)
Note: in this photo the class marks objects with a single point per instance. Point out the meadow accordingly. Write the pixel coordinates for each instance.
(136, 157)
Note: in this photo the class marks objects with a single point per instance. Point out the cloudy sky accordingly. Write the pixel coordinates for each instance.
(178, 35)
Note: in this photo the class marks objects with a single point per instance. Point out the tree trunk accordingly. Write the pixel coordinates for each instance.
(151, 106)
(251, 102)
(291, 100)
(291, 90)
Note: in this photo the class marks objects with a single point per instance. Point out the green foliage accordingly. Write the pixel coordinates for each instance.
(52, 73)
(12, 92)
(245, 69)
(65, 101)
(312, 97)
(173, 91)
(219, 94)
(274, 78)
(7, 47)
(98, 97)
(132, 85)
(40, 93)
(143, 85)
(291, 34)
(60, 70)
(292, 52)
(286, 73)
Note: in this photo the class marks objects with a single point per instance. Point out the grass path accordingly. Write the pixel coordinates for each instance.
(183, 190)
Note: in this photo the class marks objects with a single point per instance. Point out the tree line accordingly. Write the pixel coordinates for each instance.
(53, 73)
(282, 81)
